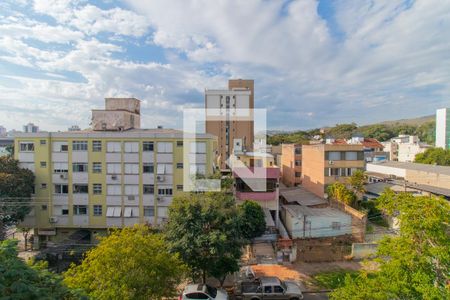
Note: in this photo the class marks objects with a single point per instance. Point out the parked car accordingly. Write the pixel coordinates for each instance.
(267, 288)
(202, 292)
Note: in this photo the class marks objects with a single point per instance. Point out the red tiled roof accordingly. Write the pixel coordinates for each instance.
(372, 143)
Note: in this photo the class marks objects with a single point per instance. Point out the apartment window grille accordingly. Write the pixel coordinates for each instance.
(44, 207)
(149, 211)
(79, 146)
(98, 210)
(97, 146)
(298, 174)
(26, 147)
(43, 185)
(97, 188)
(80, 189)
(298, 163)
(147, 146)
(96, 167)
(80, 210)
(179, 143)
(79, 167)
(64, 211)
(165, 191)
(43, 142)
(43, 164)
(298, 150)
(179, 165)
(61, 189)
(149, 189)
(148, 168)
(64, 148)
(179, 187)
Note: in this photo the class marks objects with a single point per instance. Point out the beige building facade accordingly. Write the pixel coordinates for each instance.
(291, 164)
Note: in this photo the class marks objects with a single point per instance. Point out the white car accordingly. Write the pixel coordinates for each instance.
(202, 292)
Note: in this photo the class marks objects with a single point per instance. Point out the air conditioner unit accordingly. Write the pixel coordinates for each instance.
(330, 162)
(63, 176)
(160, 178)
(114, 177)
(130, 198)
(53, 219)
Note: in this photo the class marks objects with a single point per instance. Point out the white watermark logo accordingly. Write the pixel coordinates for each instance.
(249, 166)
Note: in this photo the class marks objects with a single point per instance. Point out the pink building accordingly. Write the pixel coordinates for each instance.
(260, 184)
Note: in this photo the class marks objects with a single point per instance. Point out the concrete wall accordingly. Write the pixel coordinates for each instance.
(359, 220)
(433, 179)
(363, 250)
(323, 249)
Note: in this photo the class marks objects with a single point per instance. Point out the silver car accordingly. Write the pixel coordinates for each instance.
(202, 292)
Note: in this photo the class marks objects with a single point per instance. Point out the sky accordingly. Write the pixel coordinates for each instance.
(315, 62)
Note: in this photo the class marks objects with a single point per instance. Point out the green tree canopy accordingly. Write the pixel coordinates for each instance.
(416, 263)
(16, 186)
(341, 193)
(434, 156)
(129, 263)
(357, 182)
(252, 218)
(204, 229)
(19, 280)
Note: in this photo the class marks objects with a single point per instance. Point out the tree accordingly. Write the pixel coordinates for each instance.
(19, 280)
(16, 187)
(129, 263)
(434, 156)
(416, 263)
(252, 220)
(341, 193)
(357, 182)
(204, 229)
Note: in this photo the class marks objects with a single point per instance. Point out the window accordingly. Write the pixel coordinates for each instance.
(298, 150)
(334, 171)
(26, 147)
(149, 189)
(61, 189)
(278, 289)
(64, 211)
(131, 168)
(147, 168)
(96, 146)
(59, 167)
(351, 155)
(80, 189)
(196, 296)
(43, 185)
(334, 155)
(132, 189)
(96, 167)
(198, 147)
(97, 188)
(298, 163)
(336, 225)
(131, 212)
(164, 191)
(79, 167)
(64, 148)
(79, 146)
(197, 169)
(43, 164)
(164, 169)
(267, 290)
(179, 165)
(113, 147)
(80, 209)
(114, 189)
(44, 207)
(43, 142)
(298, 174)
(131, 147)
(147, 146)
(165, 147)
(114, 168)
(149, 211)
(179, 143)
(179, 187)
(114, 211)
(98, 210)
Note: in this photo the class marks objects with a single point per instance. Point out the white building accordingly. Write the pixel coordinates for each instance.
(404, 148)
(443, 128)
(2, 131)
(30, 127)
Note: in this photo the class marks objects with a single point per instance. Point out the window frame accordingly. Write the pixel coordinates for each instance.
(96, 147)
(79, 145)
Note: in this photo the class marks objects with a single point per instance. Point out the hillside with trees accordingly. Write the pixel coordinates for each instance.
(381, 131)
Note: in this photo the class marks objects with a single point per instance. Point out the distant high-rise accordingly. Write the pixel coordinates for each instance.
(443, 128)
(2, 131)
(234, 133)
(74, 128)
(30, 128)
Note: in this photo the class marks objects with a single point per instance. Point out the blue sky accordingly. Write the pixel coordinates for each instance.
(315, 63)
